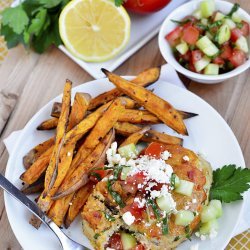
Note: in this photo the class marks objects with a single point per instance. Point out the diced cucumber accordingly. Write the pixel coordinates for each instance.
(201, 64)
(128, 241)
(207, 46)
(209, 35)
(185, 188)
(224, 34)
(208, 213)
(128, 151)
(218, 207)
(218, 16)
(212, 69)
(230, 23)
(164, 203)
(208, 227)
(184, 218)
(182, 48)
(207, 8)
(236, 17)
(176, 181)
(124, 173)
(242, 44)
(204, 21)
(197, 14)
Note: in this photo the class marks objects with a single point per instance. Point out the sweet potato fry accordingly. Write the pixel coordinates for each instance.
(78, 202)
(144, 79)
(186, 115)
(135, 137)
(33, 173)
(59, 209)
(48, 124)
(79, 109)
(138, 117)
(52, 170)
(80, 176)
(56, 109)
(105, 123)
(36, 152)
(36, 187)
(126, 129)
(161, 108)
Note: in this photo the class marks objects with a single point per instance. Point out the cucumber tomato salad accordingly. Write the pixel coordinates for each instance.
(210, 42)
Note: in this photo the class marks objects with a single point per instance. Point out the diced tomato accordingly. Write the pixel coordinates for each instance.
(245, 28)
(139, 247)
(192, 19)
(174, 35)
(238, 58)
(115, 242)
(226, 51)
(187, 56)
(154, 149)
(190, 35)
(196, 56)
(191, 67)
(235, 34)
(134, 209)
(218, 60)
(136, 179)
(97, 175)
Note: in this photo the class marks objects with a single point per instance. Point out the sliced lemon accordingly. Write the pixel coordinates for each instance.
(94, 30)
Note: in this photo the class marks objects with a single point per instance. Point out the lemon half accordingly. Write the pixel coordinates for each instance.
(94, 30)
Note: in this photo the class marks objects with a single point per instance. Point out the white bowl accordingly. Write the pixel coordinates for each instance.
(166, 51)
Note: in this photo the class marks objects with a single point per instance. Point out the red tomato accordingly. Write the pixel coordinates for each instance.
(134, 209)
(187, 56)
(115, 242)
(145, 6)
(102, 173)
(136, 179)
(235, 34)
(139, 247)
(154, 149)
(191, 67)
(174, 35)
(245, 28)
(190, 35)
(218, 60)
(226, 51)
(238, 58)
(196, 56)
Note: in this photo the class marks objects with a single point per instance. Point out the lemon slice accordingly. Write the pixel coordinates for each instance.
(94, 30)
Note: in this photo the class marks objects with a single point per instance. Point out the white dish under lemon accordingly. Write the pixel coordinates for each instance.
(208, 134)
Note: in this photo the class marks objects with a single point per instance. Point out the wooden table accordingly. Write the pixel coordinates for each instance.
(39, 78)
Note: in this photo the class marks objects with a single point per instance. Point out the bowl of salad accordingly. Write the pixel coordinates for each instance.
(207, 40)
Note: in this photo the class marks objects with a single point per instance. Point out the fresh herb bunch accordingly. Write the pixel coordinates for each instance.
(229, 182)
(34, 23)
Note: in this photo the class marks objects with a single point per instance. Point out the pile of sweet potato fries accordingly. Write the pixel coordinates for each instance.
(60, 168)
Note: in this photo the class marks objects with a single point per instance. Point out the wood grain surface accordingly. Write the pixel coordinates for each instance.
(39, 78)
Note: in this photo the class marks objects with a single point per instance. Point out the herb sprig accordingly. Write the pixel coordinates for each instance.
(34, 23)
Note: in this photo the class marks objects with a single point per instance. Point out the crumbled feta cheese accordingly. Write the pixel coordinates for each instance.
(158, 224)
(195, 247)
(69, 154)
(141, 203)
(203, 237)
(154, 194)
(194, 201)
(186, 207)
(185, 158)
(109, 248)
(213, 234)
(128, 218)
(70, 203)
(165, 155)
(147, 224)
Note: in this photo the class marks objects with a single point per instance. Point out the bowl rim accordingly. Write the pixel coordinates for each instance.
(178, 66)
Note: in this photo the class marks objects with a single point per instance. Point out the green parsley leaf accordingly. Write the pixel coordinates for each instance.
(51, 3)
(118, 3)
(10, 36)
(234, 9)
(229, 183)
(38, 22)
(16, 18)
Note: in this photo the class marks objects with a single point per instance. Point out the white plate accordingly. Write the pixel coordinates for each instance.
(208, 132)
